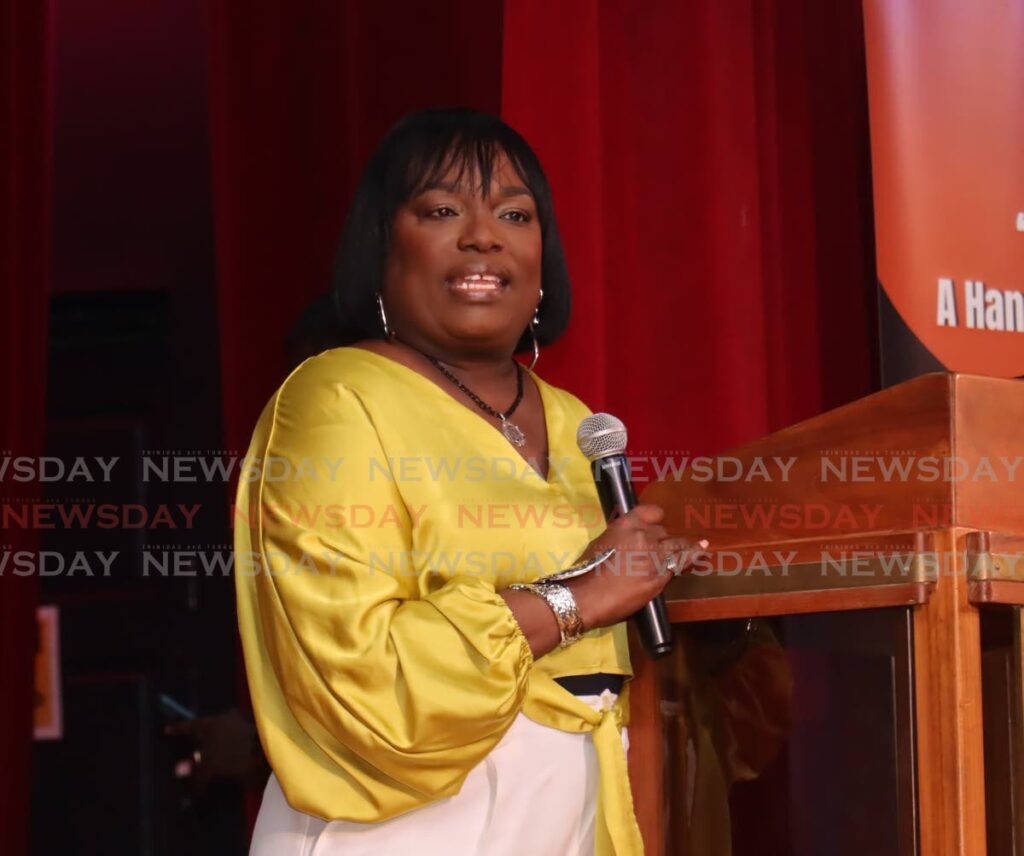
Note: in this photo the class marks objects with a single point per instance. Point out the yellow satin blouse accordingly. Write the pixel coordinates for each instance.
(376, 519)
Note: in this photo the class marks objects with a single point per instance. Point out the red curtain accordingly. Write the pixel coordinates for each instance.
(710, 167)
(300, 95)
(24, 292)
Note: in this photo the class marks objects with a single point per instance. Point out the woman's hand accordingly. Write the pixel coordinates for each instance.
(637, 572)
(620, 586)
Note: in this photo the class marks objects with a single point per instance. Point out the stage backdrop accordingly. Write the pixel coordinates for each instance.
(946, 81)
(710, 168)
(710, 171)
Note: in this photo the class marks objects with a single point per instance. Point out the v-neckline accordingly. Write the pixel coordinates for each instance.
(545, 403)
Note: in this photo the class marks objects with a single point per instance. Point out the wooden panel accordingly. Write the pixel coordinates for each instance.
(995, 568)
(940, 450)
(857, 468)
(1006, 543)
(907, 472)
(645, 758)
(947, 660)
(996, 591)
(989, 451)
(815, 575)
(795, 603)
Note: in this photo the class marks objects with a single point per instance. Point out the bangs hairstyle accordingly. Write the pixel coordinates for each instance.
(419, 151)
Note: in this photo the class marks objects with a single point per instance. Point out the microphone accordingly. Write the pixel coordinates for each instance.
(602, 438)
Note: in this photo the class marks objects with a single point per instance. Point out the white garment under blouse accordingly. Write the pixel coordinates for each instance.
(535, 794)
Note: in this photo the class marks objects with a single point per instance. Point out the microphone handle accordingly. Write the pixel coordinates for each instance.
(615, 490)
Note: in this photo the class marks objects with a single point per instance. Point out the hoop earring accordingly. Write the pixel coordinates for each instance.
(388, 332)
(534, 323)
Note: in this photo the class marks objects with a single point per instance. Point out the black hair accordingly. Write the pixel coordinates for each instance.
(419, 150)
(315, 330)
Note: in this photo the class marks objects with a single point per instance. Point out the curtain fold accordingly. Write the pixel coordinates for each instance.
(709, 165)
(25, 159)
(299, 97)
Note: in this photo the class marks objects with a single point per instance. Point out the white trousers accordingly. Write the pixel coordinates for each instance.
(535, 793)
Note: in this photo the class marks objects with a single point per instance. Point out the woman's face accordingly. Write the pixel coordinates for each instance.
(463, 272)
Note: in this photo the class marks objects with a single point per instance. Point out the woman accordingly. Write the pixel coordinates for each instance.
(408, 697)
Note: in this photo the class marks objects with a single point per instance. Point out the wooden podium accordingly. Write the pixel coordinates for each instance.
(880, 710)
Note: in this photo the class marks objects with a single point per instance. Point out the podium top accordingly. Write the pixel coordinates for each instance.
(941, 450)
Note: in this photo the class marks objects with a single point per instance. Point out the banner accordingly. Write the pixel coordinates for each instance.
(946, 95)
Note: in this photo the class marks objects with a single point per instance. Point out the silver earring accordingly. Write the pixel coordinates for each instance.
(534, 322)
(384, 318)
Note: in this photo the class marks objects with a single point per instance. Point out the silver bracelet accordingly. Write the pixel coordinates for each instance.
(563, 605)
(583, 566)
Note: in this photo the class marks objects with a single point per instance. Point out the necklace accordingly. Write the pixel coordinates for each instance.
(513, 433)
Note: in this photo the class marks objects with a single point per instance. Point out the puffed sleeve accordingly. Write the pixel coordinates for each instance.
(373, 695)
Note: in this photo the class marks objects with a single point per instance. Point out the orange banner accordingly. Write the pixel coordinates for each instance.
(946, 92)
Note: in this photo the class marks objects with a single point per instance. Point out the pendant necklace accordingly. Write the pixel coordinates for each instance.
(513, 433)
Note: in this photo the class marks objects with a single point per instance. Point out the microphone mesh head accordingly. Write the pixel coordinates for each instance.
(601, 435)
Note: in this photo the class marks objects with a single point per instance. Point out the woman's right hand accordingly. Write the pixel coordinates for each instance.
(637, 572)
